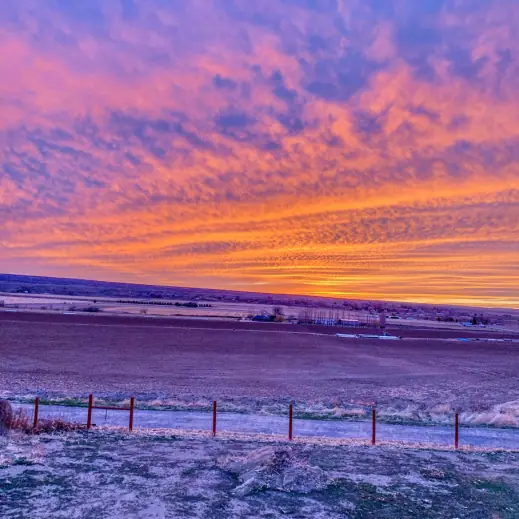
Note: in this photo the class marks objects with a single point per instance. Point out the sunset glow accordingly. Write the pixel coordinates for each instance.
(352, 149)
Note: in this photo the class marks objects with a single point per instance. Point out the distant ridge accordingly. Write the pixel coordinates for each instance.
(15, 283)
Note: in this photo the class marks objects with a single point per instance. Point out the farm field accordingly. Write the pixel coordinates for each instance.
(240, 310)
(156, 307)
(255, 367)
(152, 307)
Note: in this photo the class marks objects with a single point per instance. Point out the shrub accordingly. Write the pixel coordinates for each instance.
(6, 416)
(93, 309)
(22, 422)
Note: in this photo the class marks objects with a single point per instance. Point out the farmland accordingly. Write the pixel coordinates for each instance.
(252, 366)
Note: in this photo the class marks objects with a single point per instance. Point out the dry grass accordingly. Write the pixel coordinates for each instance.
(22, 422)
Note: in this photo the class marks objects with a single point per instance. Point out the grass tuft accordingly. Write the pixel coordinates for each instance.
(22, 422)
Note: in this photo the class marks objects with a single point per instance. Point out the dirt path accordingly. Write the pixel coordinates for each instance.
(278, 425)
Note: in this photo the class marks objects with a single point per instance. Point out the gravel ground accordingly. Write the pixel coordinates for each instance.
(113, 475)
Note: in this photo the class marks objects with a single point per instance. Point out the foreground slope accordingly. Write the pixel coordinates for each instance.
(109, 475)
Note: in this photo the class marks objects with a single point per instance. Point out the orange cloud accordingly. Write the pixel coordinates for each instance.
(352, 150)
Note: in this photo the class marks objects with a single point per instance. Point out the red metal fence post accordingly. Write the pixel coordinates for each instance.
(90, 405)
(36, 409)
(373, 426)
(290, 415)
(214, 418)
(132, 405)
(457, 430)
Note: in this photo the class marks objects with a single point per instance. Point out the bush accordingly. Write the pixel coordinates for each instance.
(91, 309)
(22, 422)
(6, 416)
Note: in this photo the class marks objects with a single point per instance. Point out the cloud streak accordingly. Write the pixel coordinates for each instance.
(343, 148)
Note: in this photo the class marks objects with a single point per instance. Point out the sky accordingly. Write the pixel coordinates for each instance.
(345, 148)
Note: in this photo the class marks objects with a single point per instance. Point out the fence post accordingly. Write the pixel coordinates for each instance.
(90, 405)
(373, 426)
(132, 405)
(214, 418)
(456, 430)
(290, 416)
(36, 409)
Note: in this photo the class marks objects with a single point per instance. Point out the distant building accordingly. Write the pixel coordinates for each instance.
(349, 322)
(326, 321)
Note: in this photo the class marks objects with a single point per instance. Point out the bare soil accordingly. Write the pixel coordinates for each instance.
(97, 319)
(185, 358)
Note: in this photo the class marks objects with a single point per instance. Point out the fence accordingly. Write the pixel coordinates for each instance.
(290, 424)
(91, 407)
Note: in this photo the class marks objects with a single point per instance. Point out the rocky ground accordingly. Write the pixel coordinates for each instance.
(113, 475)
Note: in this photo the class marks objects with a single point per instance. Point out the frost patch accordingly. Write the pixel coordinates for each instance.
(13, 452)
(274, 468)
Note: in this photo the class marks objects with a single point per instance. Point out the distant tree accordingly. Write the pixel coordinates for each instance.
(278, 314)
(474, 320)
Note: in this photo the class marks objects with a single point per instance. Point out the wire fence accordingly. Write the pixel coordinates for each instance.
(291, 426)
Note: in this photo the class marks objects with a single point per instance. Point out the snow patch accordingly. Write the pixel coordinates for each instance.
(274, 468)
